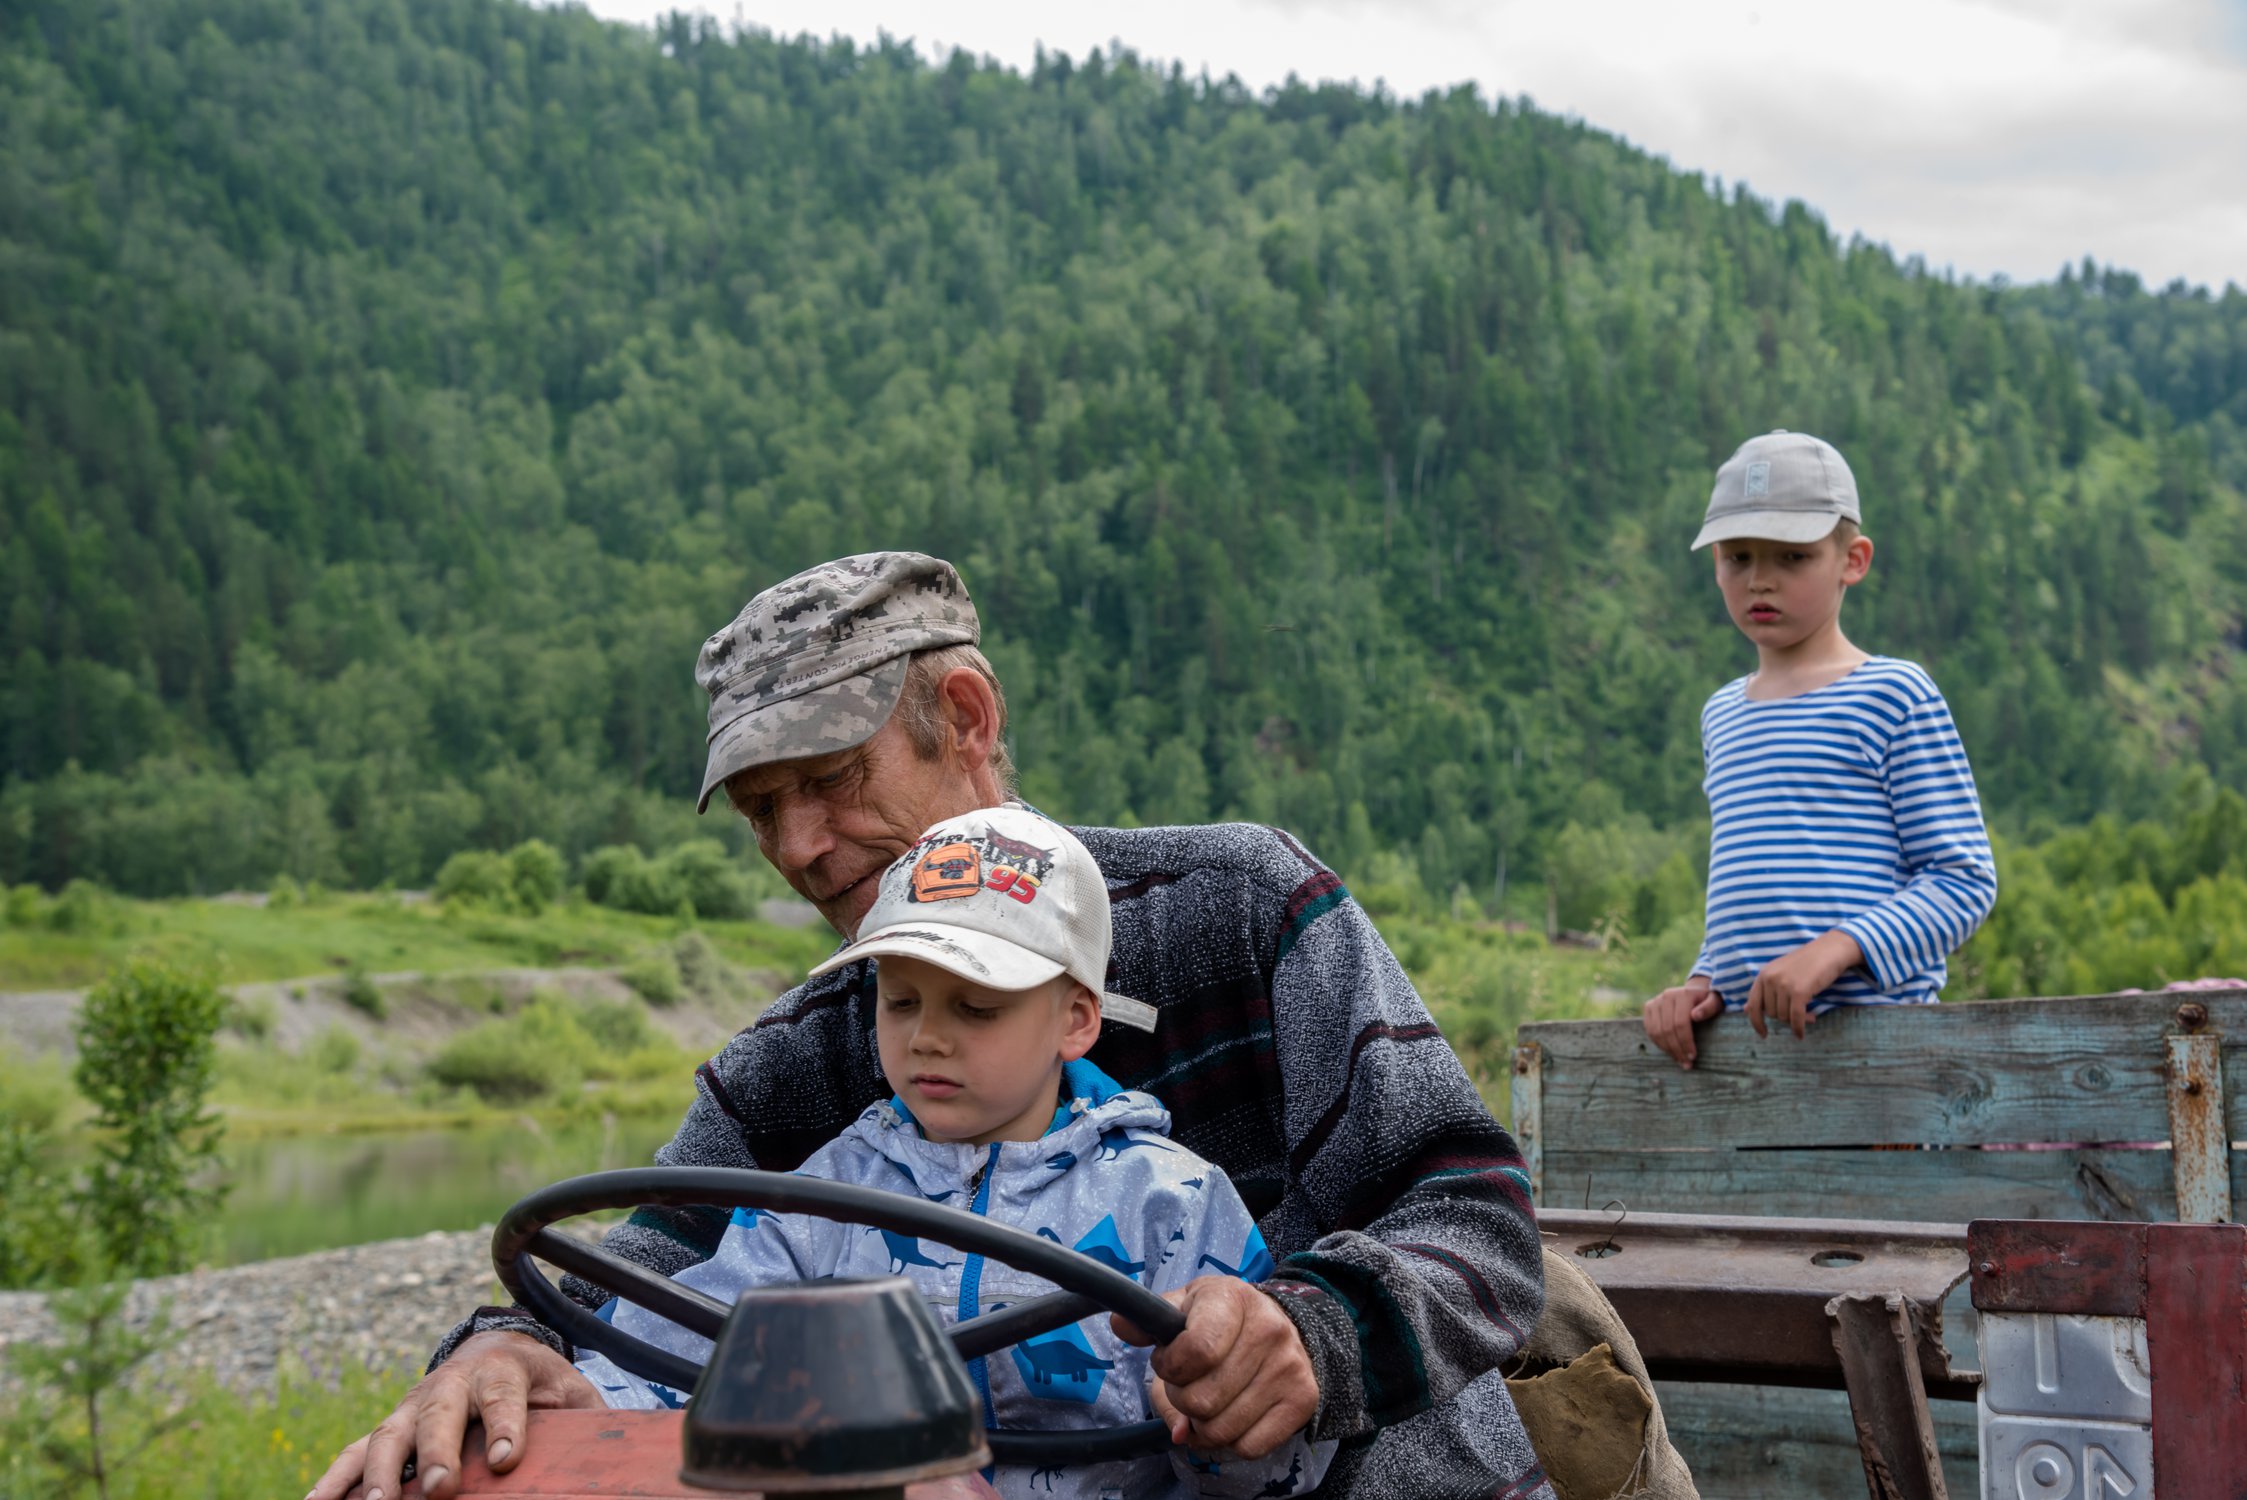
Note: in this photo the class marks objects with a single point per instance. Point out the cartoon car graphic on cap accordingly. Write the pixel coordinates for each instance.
(946, 873)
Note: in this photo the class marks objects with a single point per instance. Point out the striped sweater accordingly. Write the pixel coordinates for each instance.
(1850, 806)
(1292, 1051)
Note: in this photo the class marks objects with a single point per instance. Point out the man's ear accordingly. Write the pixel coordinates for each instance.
(1084, 1022)
(971, 712)
(1857, 561)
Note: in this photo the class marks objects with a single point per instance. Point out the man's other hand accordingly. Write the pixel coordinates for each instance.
(1671, 1016)
(1784, 987)
(1238, 1380)
(499, 1377)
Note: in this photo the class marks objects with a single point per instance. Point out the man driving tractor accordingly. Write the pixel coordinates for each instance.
(849, 711)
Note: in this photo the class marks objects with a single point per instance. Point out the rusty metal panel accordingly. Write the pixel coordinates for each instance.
(2199, 1142)
(1529, 1113)
(1711, 1297)
(1878, 1339)
(2058, 1266)
(2196, 1335)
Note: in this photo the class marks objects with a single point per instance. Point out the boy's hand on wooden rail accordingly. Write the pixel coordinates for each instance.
(1784, 987)
(1671, 1016)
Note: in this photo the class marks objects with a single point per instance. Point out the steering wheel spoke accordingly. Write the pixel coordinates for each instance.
(1009, 1325)
(632, 1281)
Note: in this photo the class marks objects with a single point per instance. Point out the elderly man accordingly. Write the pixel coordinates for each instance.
(849, 710)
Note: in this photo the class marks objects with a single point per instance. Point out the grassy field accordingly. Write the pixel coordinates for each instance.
(370, 933)
(211, 1444)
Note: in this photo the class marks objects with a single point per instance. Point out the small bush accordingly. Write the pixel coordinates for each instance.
(539, 1051)
(283, 894)
(477, 877)
(362, 994)
(620, 876)
(26, 906)
(617, 1028)
(655, 976)
(709, 879)
(536, 875)
(146, 1054)
(82, 906)
(703, 972)
(335, 1051)
(253, 1019)
(698, 879)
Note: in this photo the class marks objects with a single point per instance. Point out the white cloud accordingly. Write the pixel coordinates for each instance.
(1993, 136)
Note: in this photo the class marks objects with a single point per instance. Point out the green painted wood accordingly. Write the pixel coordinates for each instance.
(1950, 1187)
(1752, 1442)
(2085, 1068)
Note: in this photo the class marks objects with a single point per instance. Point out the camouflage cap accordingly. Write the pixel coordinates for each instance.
(815, 663)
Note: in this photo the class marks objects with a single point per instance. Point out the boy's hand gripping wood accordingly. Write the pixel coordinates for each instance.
(1784, 987)
(1672, 1015)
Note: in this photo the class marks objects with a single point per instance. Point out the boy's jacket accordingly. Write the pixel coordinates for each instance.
(1104, 1179)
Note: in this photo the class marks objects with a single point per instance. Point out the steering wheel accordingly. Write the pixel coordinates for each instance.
(1087, 1287)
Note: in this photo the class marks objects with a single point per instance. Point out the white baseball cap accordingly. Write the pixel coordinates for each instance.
(1781, 487)
(1002, 897)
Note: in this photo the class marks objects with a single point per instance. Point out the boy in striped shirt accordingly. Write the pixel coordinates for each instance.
(1847, 856)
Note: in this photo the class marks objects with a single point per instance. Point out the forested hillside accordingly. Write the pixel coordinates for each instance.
(393, 393)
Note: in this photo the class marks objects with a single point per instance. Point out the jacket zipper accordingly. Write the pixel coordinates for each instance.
(971, 1283)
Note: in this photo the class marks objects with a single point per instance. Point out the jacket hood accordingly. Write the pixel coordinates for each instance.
(1091, 1106)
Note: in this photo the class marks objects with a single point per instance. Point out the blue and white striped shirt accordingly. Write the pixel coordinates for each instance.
(1848, 806)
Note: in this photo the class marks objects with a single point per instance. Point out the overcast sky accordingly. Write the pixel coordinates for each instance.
(1992, 136)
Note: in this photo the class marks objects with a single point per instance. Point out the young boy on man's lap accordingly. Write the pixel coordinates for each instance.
(993, 934)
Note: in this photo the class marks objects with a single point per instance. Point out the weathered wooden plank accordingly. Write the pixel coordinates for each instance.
(1946, 1186)
(1750, 1442)
(2084, 1068)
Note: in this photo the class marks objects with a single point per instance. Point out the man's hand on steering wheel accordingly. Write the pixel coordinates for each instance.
(498, 1377)
(1238, 1380)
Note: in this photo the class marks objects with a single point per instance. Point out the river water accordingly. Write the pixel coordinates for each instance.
(293, 1194)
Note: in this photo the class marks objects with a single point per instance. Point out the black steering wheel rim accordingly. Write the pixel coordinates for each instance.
(1086, 1286)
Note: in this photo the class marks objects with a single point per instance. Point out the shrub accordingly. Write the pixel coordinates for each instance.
(709, 879)
(252, 1019)
(26, 906)
(82, 906)
(146, 1044)
(620, 876)
(703, 972)
(335, 1051)
(477, 877)
(362, 994)
(655, 977)
(283, 893)
(617, 1028)
(535, 873)
(539, 1051)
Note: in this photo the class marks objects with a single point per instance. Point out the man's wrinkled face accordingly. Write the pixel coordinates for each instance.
(830, 824)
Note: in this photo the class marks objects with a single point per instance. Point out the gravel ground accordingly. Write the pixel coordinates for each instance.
(382, 1305)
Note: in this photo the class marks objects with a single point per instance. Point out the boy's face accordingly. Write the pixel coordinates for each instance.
(1781, 594)
(975, 1064)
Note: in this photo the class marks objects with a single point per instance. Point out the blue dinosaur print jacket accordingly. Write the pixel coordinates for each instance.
(1105, 1179)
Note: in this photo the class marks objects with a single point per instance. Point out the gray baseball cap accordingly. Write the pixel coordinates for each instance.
(1783, 487)
(816, 663)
